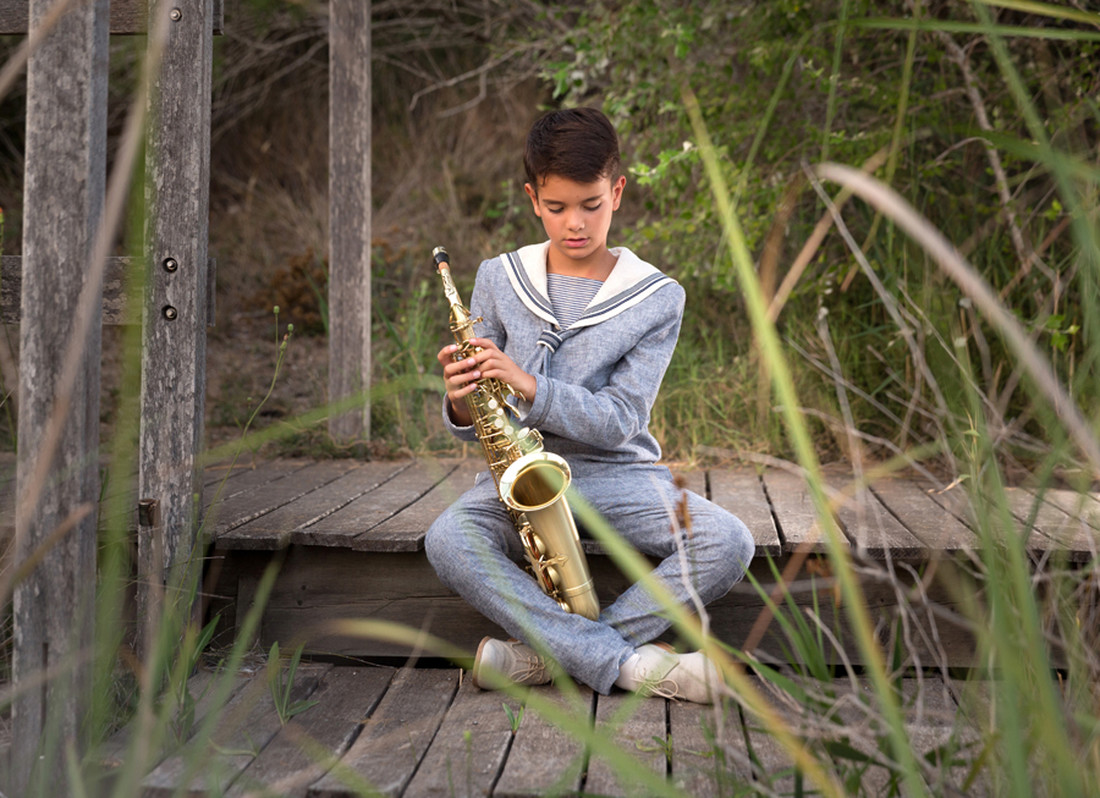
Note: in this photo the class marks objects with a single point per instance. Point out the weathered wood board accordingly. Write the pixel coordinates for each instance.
(119, 306)
(127, 16)
(638, 727)
(429, 733)
(470, 748)
(311, 744)
(742, 493)
(248, 723)
(545, 759)
(320, 497)
(387, 752)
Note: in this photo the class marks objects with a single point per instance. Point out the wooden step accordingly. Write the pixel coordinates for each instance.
(348, 542)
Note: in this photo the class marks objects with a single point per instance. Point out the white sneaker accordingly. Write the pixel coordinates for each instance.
(660, 671)
(510, 660)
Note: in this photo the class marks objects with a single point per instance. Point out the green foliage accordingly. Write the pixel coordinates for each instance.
(515, 717)
(913, 89)
(281, 682)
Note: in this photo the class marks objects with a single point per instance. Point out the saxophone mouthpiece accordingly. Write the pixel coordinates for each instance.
(439, 255)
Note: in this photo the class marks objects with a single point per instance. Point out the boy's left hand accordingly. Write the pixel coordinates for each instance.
(493, 363)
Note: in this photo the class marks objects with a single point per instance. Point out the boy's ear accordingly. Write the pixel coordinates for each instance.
(617, 192)
(534, 195)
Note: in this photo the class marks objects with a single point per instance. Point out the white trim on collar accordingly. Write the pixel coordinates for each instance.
(630, 281)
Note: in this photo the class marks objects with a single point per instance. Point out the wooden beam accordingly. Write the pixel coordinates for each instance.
(349, 286)
(118, 307)
(173, 379)
(127, 17)
(57, 480)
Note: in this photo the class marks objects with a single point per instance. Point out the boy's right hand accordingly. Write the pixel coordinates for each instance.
(460, 379)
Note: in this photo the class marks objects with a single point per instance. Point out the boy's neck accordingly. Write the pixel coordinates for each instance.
(597, 266)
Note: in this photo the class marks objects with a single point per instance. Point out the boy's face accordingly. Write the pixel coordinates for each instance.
(577, 217)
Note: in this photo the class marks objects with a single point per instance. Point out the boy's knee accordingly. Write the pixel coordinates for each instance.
(732, 549)
(741, 544)
(442, 538)
(433, 541)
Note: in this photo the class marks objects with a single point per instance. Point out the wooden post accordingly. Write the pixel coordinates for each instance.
(57, 466)
(173, 379)
(349, 264)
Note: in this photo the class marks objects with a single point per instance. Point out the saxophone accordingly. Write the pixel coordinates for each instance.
(530, 481)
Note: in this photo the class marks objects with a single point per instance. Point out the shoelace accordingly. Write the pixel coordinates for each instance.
(660, 689)
(525, 666)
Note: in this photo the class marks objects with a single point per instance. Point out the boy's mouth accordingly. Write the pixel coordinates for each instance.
(576, 242)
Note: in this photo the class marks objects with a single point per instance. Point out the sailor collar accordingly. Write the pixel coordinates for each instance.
(631, 281)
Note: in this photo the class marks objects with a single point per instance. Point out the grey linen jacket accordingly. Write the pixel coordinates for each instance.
(596, 380)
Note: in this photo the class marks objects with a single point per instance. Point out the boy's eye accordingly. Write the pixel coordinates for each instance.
(589, 208)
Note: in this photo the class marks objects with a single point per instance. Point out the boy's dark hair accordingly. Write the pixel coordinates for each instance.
(579, 144)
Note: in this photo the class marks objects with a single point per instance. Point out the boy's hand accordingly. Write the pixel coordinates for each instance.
(461, 377)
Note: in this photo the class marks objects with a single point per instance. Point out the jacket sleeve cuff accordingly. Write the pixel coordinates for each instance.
(467, 433)
(533, 413)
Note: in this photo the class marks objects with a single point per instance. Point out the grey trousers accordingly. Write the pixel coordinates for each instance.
(475, 550)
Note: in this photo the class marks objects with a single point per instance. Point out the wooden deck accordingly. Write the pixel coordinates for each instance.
(350, 539)
(428, 732)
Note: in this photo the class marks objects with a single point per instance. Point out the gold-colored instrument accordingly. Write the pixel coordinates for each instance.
(530, 481)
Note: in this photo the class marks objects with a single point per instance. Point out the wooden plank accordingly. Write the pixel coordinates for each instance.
(245, 507)
(59, 357)
(932, 730)
(941, 734)
(870, 527)
(1081, 506)
(173, 363)
(976, 724)
(1056, 531)
(7, 505)
(250, 479)
(956, 501)
(936, 528)
(447, 617)
(127, 17)
(546, 760)
(118, 307)
(317, 494)
(318, 585)
(772, 768)
(741, 493)
(638, 726)
(248, 723)
(311, 743)
(349, 283)
(202, 688)
(794, 511)
(347, 526)
(388, 750)
(469, 749)
(405, 530)
(697, 735)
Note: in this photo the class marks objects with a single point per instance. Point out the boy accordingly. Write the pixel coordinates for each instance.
(584, 333)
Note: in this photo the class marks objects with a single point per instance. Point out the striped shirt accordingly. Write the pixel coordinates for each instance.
(570, 296)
